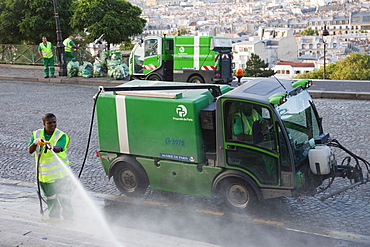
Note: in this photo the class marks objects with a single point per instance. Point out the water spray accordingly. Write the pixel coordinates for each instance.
(77, 185)
(97, 214)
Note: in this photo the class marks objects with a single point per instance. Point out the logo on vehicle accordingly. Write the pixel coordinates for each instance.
(181, 110)
(182, 49)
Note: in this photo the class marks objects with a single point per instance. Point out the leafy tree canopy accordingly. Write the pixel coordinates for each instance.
(25, 22)
(116, 19)
(309, 31)
(354, 67)
(256, 67)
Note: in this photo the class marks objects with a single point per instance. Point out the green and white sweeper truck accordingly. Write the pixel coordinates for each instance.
(197, 59)
(181, 137)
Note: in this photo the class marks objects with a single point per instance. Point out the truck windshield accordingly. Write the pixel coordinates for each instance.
(300, 120)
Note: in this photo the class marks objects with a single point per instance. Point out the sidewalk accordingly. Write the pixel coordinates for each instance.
(21, 224)
(36, 73)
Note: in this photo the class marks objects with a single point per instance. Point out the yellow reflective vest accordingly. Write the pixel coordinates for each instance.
(67, 45)
(50, 167)
(46, 50)
(246, 122)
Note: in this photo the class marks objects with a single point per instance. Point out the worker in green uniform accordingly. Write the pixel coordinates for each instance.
(46, 51)
(243, 117)
(52, 174)
(68, 45)
(243, 120)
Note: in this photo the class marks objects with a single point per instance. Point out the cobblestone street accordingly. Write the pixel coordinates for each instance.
(23, 104)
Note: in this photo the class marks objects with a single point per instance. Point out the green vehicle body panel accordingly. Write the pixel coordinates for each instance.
(180, 177)
(132, 124)
(106, 159)
(108, 136)
(191, 53)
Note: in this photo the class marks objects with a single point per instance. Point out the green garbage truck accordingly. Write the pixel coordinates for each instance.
(197, 59)
(195, 139)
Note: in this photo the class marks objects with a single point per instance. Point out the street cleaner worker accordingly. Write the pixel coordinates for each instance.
(45, 50)
(68, 45)
(52, 177)
(243, 119)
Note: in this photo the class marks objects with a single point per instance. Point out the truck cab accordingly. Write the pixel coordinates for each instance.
(152, 59)
(274, 153)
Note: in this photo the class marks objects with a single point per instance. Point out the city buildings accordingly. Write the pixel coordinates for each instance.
(270, 29)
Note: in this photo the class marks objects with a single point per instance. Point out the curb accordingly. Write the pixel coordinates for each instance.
(339, 95)
(78, 80)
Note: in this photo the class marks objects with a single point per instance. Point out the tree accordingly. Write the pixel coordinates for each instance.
(116, 19)
(25, 22)
(256, 67)
(309, 31)
(182, 32)
(354, 67)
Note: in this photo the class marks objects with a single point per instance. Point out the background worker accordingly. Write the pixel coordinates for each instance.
(52, 176)
(46, 51)
(68, 45)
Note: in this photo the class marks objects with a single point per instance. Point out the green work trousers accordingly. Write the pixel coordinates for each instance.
(58, 198)
(49, 64)
(69, 56)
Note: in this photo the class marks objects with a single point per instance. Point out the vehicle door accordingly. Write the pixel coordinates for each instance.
(244, 150)
(152, 54)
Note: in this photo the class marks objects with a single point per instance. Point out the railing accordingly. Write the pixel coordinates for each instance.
(28, 54)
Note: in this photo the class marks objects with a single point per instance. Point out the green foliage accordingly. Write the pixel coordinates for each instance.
(126, 46)
(182, 32)
(256, 67)
(25, 22)
(354, 67)
(116, 19)
(309, 31)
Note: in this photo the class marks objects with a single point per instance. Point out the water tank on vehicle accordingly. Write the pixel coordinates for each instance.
(319, 158)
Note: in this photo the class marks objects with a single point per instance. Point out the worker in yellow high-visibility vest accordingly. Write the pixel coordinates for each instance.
(46, 51)
(68, 45)
(243, 120)
(52, 172)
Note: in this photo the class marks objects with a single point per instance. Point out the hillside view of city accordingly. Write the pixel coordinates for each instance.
(271, 29)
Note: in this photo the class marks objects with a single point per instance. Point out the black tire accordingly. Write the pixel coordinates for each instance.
(196, 79)
(129, 180)
(237, 194)
(154, 78)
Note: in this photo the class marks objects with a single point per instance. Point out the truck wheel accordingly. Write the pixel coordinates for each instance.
(129, 180)
(196, 79)
(154, 78)
(236, 194)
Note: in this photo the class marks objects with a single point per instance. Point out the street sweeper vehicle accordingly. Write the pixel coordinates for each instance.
(197, 59)
(263, 139)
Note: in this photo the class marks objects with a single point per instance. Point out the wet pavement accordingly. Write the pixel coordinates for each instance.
(21, 224)
(26, 95)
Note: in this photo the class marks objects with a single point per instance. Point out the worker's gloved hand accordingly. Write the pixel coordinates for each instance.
(48, 145)
(39, 141)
